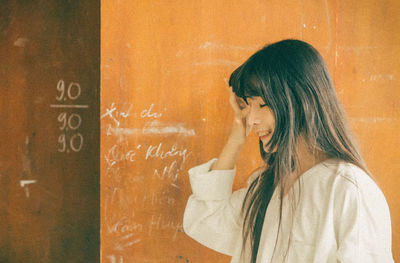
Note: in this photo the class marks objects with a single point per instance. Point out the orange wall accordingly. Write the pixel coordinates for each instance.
(164, 69)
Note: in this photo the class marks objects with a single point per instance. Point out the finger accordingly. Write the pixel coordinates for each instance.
(244, 113)
(237, 102)
(248, 128)
(233, 102)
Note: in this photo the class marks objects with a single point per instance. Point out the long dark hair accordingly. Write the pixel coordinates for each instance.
(293, 80)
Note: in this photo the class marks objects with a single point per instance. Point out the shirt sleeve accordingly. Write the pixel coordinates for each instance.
(212, 214)
(363, 226)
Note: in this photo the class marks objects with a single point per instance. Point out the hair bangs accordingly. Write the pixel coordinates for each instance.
(244, 82)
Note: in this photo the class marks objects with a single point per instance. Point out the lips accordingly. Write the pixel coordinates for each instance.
(264, 135)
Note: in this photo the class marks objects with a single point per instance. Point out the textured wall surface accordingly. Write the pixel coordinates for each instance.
(49, 135)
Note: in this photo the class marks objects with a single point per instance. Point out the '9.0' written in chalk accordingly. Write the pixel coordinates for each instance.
(69, 119)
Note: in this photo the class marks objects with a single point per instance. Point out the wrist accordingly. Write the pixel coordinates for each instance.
(237, 139)
(238, 133)
(230, 152)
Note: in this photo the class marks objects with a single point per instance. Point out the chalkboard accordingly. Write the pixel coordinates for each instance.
(164, 106)
(49, 150)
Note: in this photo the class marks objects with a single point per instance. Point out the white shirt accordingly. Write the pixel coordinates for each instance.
(341, 216)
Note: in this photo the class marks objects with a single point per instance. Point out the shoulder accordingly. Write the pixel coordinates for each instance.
(355, 196)
(354, 175)
(340, 184)
(361, 213)
(359, 189)
(349, 179)
(335, 173)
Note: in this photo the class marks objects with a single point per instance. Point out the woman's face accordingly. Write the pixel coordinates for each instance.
(261, 118)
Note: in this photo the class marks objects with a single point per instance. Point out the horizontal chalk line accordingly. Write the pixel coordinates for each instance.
(69, 106)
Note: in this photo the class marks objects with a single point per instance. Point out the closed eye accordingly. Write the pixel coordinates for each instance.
(263, 105)
(241, 103)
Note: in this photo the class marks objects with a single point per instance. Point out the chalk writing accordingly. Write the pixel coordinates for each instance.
(169, 172)
(372, 120)
(124, 193)
(147, 113)
(113, 113)
(113, 259)
(110, 113)
(129, 229)
(124, 242)
(157, 151)
(152, 128)
(125, 226)
(72, 122)
(73, 91)
(24, 183)
(69, 121)
(159, 222)
(27, 167)
(156, 127)
(378, 77)
(69, 106)
(158, 199)
(75, 143)
(115, 155)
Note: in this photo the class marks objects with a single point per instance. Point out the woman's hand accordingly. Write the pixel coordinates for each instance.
(230, 152)
(240, 129)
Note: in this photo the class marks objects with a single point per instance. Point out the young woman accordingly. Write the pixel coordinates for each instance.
(314, 200)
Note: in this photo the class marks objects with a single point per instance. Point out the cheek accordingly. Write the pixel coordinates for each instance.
(269, 120)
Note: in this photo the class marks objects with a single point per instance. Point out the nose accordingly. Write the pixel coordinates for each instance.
(252, 117)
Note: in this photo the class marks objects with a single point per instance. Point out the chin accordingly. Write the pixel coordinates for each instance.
(264, 149)
(268, 150)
